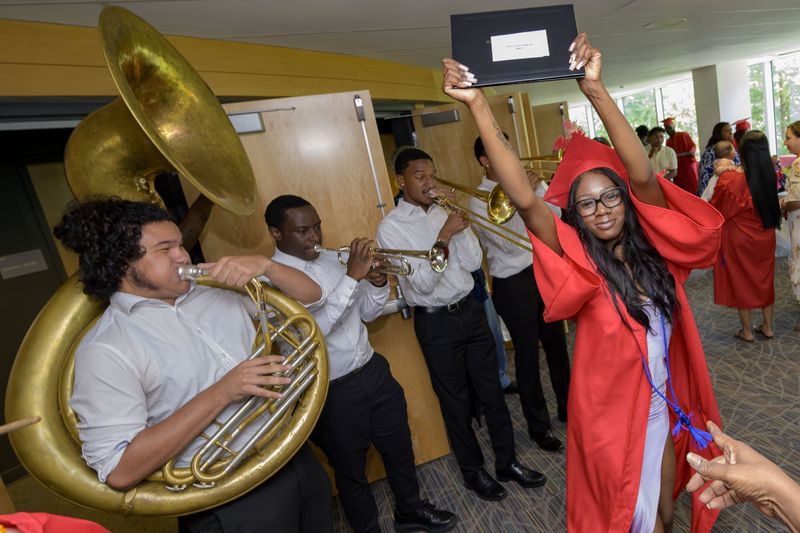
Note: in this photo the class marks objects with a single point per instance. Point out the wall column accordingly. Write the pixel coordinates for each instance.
(721, 93)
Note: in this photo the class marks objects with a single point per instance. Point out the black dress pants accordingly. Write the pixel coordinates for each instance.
(296, 499)
(363, 407)
(460, 353)
(519, 303)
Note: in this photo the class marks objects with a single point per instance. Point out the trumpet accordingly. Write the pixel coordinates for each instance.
(436, 257)
(499, 210)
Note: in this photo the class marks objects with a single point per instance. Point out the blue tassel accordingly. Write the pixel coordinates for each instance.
(701, 438)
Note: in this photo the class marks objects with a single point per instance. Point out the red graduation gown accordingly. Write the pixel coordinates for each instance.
(686, 178)
(609, 399)
(745, 269)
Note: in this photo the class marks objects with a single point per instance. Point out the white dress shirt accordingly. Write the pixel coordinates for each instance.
(664, 159)
(144, 359)
(339, 315)
(409, 227)
(504, 258)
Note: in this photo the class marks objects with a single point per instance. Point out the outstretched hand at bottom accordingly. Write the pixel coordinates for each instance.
(740, 475)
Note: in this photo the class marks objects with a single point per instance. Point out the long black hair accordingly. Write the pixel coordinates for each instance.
(761, 180)
(105, 233)
(716, 134)
(641, 272)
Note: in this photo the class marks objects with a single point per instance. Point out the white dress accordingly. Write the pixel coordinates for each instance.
(644, 516)
(793, 194)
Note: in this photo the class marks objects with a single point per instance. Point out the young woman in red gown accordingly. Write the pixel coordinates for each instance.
(745, 269)
(618, 268)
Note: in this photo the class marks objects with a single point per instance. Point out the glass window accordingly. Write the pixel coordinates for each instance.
(786, 95)
(758, 102)
(678, 101)
(578, 116)
(599, 128)
(640, 108)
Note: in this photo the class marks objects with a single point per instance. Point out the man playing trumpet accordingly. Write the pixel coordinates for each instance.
(451, 327)
(365, 404)
(167, 357)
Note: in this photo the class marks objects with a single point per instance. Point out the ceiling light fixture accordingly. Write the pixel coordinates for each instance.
(665, 24)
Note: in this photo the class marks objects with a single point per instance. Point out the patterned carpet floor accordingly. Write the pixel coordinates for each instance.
(757, 387)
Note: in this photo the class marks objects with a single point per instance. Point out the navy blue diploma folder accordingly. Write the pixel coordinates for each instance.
(516, 46)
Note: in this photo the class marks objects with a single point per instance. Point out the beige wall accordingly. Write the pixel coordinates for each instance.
(38, 59)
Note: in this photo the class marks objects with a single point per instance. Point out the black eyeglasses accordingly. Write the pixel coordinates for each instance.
(610, 198)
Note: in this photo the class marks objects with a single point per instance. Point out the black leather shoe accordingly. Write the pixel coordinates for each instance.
(484, 485)
(425, 518)
(523, 475)
(546, 441)
(511, 389)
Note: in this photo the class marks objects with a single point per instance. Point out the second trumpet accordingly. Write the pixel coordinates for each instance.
(436, 257)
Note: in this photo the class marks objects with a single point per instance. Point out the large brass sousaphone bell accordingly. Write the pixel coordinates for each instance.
(167, 119)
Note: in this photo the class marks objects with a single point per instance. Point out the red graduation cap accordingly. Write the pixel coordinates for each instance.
(581, 154)
(669, 121)
(742, 124)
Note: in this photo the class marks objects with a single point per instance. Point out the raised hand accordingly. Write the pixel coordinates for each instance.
(582, 54)
(457, 81)
(359, 261)
(455, 223)
(249, 378)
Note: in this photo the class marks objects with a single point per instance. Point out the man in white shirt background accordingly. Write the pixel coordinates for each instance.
(516, 298)
(451, 327)
(167, 357)
(663, 159)
(365, 404)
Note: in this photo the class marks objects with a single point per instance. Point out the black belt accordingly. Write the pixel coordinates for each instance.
(353, 373)
(449, 308)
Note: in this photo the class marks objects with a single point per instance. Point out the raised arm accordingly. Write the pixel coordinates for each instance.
(625, 141)
(505, 162)
(236, 271)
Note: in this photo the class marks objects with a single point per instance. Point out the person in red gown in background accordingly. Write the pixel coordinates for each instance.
(685, 149)
(744, 271)
(741, 127)
(623, 257)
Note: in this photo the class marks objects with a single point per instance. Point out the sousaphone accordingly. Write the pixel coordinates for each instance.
(166, 119)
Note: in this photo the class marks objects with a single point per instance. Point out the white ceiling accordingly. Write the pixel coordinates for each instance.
(418, 32)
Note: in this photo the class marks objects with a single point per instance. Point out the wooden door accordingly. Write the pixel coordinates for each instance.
(315, 147)
(549, 123)
(447, 132)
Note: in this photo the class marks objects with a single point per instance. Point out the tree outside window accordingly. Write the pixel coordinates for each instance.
(786, 94)
(640, 108)
(758, 102)
(678, 101)
(599, 128)
(578, 116)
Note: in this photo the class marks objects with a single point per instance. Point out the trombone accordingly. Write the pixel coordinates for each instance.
(499, 210)
(529, 162)
(436, 257)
